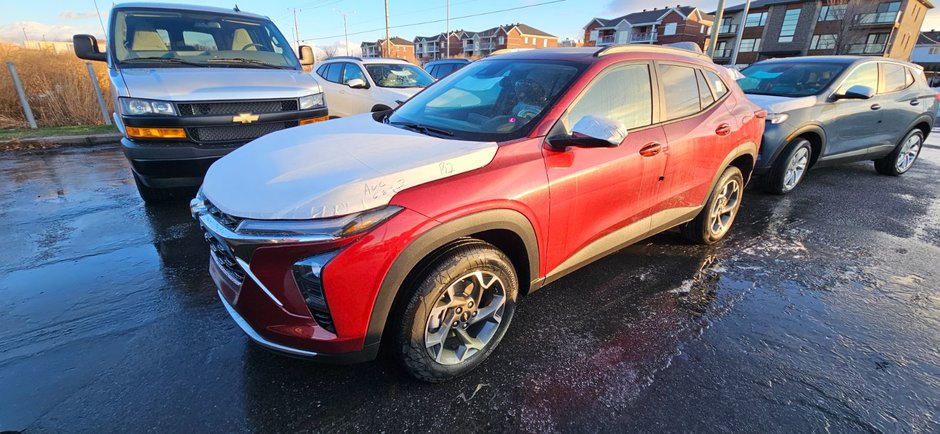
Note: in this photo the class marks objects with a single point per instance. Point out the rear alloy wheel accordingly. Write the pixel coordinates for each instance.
(458, 313)
(715, 220)
(789, 170)
(902, 158)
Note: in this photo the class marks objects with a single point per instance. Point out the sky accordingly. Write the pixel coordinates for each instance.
(320, 22)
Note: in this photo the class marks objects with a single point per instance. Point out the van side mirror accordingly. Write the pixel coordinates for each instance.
(86, 47)
(357, 83)
(858, 91)
(592, 132)
(306, 55)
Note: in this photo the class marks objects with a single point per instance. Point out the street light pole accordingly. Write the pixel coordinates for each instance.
(447, 53)
(387, 40)
(714, 36)
(740, 34)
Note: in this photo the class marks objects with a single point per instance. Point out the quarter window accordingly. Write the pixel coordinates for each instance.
(705, 94)
(717, 85)
(790, 21)
(865, 75)
(896, 77)
(680, 89)
(623, 96)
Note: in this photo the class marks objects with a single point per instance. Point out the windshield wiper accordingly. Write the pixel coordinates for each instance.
(176, 60)
(424, 129)
(247, 61)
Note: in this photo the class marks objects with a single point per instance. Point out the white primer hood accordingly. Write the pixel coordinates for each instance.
(334, 168)
(782, 104)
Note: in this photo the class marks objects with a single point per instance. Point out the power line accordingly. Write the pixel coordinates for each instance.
(436, 21)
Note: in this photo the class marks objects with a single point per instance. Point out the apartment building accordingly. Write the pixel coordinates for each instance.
(786, 28)
(657, 26)
(474, 45)
(927, 54)
(399, 48)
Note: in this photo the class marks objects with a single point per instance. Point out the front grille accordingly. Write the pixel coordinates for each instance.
(236, 107)
(225, 259)
(229, 221)
(235, 133)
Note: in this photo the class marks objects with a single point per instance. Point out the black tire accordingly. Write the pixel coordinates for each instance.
(152, 196)
(889, 165)
(411, 320)
(702, 230)
(776, 181)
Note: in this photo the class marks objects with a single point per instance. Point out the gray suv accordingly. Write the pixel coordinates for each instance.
(824, 110)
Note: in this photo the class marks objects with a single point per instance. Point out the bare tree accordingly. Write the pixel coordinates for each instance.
(329, 51)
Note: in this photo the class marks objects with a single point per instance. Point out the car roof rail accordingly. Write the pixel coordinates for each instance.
(645, 48)
(345, 57)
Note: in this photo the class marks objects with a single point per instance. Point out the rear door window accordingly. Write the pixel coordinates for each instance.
(335, 72)
(680, 91)
(896, 77)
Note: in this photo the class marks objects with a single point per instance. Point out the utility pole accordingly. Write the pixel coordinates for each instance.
(345, 29)
(714, 36)
(447, 53)
(100, 21)
(25, 38)
(296, 31)
(739, 34)
(387, 40)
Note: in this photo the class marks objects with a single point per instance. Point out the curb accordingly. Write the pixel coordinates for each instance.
(55, 141)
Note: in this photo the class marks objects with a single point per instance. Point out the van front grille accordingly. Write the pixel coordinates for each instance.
(235, 133)
(236, 107)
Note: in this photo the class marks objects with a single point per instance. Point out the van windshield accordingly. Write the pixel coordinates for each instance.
(158, 38)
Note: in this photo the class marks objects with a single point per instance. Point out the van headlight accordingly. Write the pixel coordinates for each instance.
(777, 118)
(137, 107)
(334, 227)
(311, 101)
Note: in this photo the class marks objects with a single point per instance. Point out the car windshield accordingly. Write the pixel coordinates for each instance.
(398, 75)
(158, 38)
(789, 79)
(489, 100)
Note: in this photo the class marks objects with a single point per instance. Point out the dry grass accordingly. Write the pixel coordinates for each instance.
(57, 85)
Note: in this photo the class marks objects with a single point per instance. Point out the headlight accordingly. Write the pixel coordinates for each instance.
(336, 227)
(777, 118)
(136, 107)
(311, 101)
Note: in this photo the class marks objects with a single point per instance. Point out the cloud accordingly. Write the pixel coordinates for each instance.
(37, 31)
(78, 15)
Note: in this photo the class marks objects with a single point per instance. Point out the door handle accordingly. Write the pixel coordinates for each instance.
(876, 106)
(651, 149)
(915, 102)
(723, 130)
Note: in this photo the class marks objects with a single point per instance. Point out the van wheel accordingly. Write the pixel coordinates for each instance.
(457, 314)
(152, 195)
(715, 220)
(902, 158)
(790, 168)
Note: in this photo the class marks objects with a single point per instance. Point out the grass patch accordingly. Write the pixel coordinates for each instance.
(77, 130)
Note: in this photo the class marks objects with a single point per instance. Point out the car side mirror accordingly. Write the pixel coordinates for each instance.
(306, 55)
(592, 132)
(86, 47)
(859, 91)
(356, 83)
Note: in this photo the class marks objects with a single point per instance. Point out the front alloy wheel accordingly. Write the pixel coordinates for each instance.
(458, 312)
(904, 155)
(790, 168)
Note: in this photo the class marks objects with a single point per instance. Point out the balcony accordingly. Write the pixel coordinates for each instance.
(643, 38)
(867, 49)
(727, 29)
(876, 19)
(606, 40)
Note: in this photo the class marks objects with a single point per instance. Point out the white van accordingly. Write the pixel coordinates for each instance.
(192, 83)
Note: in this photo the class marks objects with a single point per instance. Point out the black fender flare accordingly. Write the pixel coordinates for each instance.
(811, 128)
(431, 242)
(923, 118)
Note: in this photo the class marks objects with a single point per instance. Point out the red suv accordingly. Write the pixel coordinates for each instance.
(423, 227)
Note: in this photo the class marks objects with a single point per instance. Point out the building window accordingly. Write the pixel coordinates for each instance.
(592, 38)
(790, 21)
(545, 43)
(823, 42)
(750, 45)
(526, 39)
(670, 29)
(702, 30)
(933, 50)
(889, 7)
(502, 39)
(756, 19)
(832, 13)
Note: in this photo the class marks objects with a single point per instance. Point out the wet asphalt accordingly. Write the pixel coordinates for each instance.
(820, 312)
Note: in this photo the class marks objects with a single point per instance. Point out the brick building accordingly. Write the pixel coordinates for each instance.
(785, 28)
(657, 26)
(398, 48)
(474, 45)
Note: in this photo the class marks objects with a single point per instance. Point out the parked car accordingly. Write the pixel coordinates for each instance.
(424, 226)
(835, 109)
(442, 68)
(356, 85)
(192, 83)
